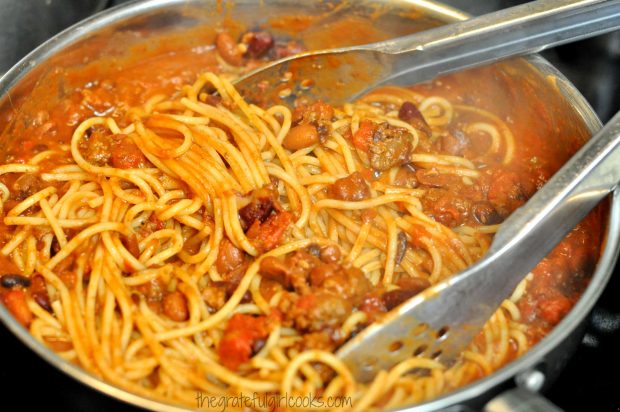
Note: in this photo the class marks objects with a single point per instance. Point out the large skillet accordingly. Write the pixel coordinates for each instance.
(113, 31)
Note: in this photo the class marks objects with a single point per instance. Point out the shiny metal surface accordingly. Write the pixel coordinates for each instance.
(442, 321)
(159, 17)
(524, 29)
(520, 400)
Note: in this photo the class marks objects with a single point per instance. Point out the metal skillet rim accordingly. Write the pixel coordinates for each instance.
(479, 387)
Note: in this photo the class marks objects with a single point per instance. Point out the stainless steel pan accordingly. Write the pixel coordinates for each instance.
(113, 31)
(25, 24)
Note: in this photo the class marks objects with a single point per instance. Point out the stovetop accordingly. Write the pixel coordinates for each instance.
(589, 382)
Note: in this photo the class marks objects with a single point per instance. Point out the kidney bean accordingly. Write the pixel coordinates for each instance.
(259, 44)
(43, 300)
(131, 244)
(401, 247)
(10, 281)
(228, 48)
(412, 115)
(288, 49)
(485, 213)
(410, 287)
(175, 306)
(26, 185)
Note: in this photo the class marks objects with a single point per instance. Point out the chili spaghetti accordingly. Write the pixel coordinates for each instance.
(202, 244)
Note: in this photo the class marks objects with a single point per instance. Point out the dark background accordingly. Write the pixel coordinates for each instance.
(590, 381)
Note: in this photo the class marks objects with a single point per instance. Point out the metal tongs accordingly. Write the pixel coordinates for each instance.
(442, 321)
(341, 75)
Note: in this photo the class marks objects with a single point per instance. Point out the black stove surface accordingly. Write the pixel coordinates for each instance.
(589, 382)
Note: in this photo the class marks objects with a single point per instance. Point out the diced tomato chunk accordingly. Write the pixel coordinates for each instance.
(127, 155)
(418, 232)
(240, 336)
(15, 302)
(363, 136)
(306, 302)
(553, 310)
(266, 236)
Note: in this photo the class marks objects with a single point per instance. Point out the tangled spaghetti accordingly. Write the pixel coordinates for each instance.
(110, 244)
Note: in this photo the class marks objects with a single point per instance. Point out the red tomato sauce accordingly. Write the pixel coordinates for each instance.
(547, 132)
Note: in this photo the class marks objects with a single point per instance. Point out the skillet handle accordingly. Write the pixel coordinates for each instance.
(520, 400)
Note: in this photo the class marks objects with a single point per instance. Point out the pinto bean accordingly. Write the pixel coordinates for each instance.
(258, 344)
(300, 137)
(229, 257)
(228, 48)
(212, 100)
(268, 288)
(229, 286)
(175, 306)
(214, 296)
(330, 254)
(350, 188)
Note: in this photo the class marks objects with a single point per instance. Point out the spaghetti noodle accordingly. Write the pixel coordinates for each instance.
(216, 246)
